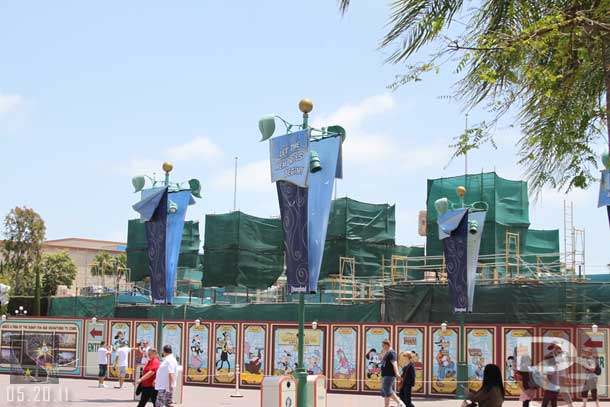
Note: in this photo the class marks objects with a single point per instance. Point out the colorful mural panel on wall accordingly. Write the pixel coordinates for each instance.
(517, 345)
(373, 336)
(224, 351)
(344, 375)
(197, 361)
(444, 359)
(412, 339)
(479, 353)
(286, 355)
(254, 353)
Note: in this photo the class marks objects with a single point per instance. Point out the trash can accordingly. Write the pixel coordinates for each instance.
(278, 391)
(316, 391)
(178, 391)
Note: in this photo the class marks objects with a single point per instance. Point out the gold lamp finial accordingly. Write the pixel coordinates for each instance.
(167, 167)
(305, 105)
(460, 191)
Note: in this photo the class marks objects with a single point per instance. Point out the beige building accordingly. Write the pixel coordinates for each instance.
(83, 251)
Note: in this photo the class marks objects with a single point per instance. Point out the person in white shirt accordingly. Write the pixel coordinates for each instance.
(166, 379)
(122, 361)
(102, 359)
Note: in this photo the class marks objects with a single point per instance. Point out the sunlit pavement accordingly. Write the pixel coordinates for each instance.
(79, 392)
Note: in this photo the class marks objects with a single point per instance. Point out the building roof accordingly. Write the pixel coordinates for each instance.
(86, 244)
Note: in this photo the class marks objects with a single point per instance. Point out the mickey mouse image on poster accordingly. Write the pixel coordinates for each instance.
(374, 364)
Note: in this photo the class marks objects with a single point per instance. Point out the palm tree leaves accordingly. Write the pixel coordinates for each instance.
(548, 61)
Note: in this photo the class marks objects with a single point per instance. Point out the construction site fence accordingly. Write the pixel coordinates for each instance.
(348, 354)
(526, 301)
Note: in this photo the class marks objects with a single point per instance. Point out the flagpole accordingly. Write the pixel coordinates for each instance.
(462, 371)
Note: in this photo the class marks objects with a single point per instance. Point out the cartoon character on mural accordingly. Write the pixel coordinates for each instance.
(444, 361)
(119, 339)
(343, 367)
(374, 364)
(446, 366)
(197, 361)
(223, 350)
(255, 362)
(197, 352)
(313, 365)
(286, 363)
(253, 354)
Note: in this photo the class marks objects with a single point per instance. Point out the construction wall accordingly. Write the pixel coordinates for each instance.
(506, 228)
(347, 353)
(533, 302)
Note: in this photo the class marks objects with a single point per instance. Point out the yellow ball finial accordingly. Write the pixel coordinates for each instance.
(460, 191)
(167, 167)
(305, 105)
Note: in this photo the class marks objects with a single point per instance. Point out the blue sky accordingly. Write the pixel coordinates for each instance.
(94, 93)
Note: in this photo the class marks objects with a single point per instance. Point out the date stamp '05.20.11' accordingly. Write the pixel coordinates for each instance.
(34, 394)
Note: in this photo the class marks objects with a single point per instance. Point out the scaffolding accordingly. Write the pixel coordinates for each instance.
(573, 244)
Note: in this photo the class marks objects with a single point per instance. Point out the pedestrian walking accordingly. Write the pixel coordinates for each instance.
(407, 380)
(389, 373)
(526, 377)
(122, 361)
(103, 354)
(165, 383)
(592, 371)
(491, 393)
(147, 381)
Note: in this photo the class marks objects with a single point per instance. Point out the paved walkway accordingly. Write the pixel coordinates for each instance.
(78, 392)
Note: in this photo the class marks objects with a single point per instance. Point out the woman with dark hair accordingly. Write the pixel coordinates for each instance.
(491, 393)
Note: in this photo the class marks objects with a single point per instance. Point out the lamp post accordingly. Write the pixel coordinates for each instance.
(305, 106)
(462, 368)
(21, 312)
(315, 162)
(174, 198)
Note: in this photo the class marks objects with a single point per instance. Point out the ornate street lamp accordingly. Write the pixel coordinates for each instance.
(304, 164)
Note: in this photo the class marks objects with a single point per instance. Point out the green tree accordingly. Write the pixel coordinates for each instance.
(105, 264)
(547, 61)
(58, 268)
(24, 232)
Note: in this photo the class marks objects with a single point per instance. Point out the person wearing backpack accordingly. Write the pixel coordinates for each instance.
(592, 371)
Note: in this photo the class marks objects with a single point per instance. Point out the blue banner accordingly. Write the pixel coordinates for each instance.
(177, 204)
(455, 224)
(293, 209)
(149, 202)
(604, 189)
(321, 186)
(474, 244)
(156, 228)
(289, 156)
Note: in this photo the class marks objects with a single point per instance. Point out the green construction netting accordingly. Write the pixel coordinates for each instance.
(99, 306)
(242, 250)
(354, 220)
(545, 245)
(137, 259)
(493, 241)
(256, 312)
(508, 200)
(367, 256)
(508, 213)
(520, 303)
(536, 247)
